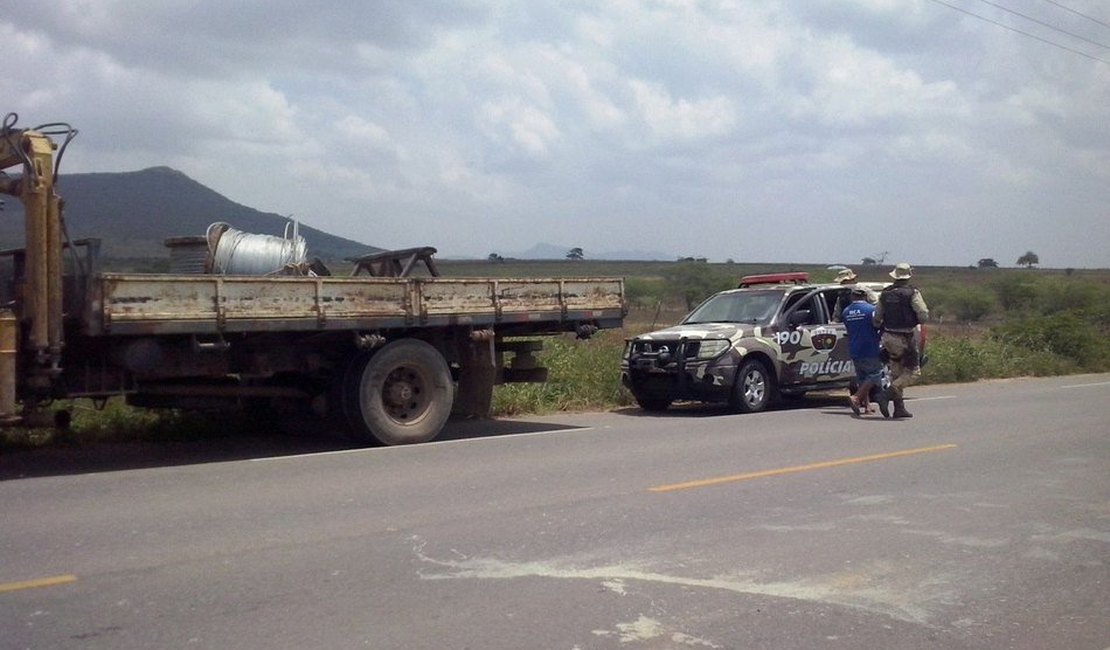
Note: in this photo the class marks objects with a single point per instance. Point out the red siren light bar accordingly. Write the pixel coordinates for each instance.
(774, 278)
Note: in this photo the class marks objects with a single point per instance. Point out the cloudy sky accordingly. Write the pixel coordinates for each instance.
(757, 130)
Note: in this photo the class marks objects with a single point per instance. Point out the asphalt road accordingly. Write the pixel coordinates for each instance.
(983, 522)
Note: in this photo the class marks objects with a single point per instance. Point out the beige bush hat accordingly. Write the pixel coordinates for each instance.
(845, 275)
(902, 271)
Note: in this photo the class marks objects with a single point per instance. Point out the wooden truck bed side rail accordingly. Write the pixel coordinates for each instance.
(186, 304)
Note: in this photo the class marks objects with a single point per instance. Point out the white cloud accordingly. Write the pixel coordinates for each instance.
(682, 119)
(527, 128)
(933, 147)
(365, 134)
(855, 88)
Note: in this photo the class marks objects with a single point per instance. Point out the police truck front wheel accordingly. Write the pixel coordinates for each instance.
(755, 388)
(652, 403)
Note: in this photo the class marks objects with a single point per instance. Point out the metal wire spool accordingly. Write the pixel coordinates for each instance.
(235, 252)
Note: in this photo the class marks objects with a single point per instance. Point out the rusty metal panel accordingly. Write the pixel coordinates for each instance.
(156, 298)
(456, 296)
(593, 294)
(529, 295)
(241, 299)
(244, 303)
(310, 298)
(444, 296)
(358, 298)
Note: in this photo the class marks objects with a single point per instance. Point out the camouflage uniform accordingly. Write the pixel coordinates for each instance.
(900, 310)
(847, 277)
(844, 300)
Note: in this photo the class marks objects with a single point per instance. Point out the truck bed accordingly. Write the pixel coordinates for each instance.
(197, 304)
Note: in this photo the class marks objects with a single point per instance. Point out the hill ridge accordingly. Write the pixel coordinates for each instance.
(134, 212)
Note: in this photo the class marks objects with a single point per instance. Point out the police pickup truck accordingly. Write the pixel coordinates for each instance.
(774, 336)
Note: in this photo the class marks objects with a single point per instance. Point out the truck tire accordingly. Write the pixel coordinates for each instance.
(400, 394)
(755, 388)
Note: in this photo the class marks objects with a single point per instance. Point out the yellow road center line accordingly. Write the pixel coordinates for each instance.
(41, 582)
(793, 470)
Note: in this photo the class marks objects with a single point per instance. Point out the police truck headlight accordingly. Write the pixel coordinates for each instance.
(712, 348)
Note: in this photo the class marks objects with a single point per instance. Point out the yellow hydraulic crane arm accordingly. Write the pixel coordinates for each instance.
(39, 300)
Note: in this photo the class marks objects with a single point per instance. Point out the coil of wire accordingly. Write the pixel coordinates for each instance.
(235, 252)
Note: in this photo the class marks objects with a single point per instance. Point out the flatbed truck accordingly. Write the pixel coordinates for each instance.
(383, 359)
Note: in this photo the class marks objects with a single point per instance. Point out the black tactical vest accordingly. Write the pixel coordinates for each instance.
(898, 313)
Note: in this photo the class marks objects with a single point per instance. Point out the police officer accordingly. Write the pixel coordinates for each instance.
(900, 310)
(847, 277)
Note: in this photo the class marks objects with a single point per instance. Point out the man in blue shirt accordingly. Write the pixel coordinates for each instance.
(863, 347)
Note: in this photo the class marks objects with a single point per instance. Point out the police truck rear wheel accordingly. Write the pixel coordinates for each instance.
(755, 388)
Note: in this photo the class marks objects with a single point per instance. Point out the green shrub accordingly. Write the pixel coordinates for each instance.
(643, 292)
(1090, 299)
(952, 361)
(965, 304)
(1015, 293)
(961, 359)
(581, 375)
(693, 282)
(1065, 334)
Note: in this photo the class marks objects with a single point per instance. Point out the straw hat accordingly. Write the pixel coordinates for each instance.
(845, 275)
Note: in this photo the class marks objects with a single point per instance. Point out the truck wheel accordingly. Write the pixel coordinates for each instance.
(653, 404)
(755, 388)
(400, 394)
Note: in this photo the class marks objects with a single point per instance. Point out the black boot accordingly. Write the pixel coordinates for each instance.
(882, 398)
(900, 409)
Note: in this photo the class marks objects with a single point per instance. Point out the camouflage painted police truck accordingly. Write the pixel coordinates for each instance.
(774, 336)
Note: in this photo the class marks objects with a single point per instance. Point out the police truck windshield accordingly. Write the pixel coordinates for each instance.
(752, 307)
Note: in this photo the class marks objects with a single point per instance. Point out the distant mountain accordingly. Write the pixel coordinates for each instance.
(134, 212)
(544, 251)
